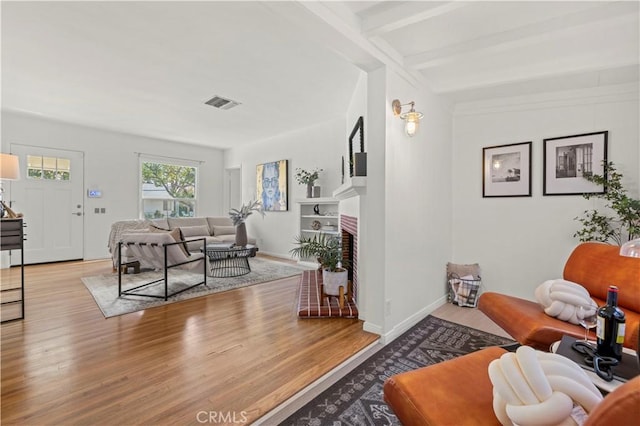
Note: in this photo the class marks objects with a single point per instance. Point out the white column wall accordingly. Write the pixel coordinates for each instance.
(418, 225)
(521, 242)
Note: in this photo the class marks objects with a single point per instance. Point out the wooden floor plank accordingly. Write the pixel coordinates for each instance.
(242, 351)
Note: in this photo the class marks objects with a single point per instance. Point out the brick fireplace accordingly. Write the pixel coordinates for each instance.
(349, 235)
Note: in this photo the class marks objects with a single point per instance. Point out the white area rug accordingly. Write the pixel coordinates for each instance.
(104, 288)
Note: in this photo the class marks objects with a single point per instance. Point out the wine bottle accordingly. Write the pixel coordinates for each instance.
(610, 326)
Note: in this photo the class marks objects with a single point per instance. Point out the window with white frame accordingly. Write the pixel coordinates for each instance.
(48, 168)
(168, 187)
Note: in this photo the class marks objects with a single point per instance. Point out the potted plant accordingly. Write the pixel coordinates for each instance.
(240, 216)
(328, 251)
(597, 225)
(308, 178)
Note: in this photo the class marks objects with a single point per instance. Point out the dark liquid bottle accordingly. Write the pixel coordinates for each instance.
(610, 326)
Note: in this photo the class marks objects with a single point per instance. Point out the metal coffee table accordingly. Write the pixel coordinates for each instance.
(229, 260)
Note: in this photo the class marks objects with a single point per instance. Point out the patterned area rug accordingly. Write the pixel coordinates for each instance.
(357, 399)
(104, 288)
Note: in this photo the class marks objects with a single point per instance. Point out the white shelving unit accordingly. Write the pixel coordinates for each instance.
(328, 219)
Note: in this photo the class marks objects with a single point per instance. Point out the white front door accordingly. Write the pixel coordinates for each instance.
(50, 194)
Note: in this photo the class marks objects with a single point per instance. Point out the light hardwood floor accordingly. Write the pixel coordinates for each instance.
(239, 353)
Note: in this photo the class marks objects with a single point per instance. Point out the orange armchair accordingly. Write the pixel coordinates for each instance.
(459, 392)
(595, 266)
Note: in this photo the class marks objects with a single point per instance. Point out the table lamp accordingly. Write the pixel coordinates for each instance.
(631, 248)
(9, 170)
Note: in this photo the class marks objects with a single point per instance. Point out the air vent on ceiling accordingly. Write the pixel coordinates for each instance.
(222, 103)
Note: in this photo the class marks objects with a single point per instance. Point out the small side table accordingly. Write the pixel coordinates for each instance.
(229, 260)
(12, 238)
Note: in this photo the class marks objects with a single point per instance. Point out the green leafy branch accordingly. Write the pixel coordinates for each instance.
(327, 249)
(239, 216)
(624, 225)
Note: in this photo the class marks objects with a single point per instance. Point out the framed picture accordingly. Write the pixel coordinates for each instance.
(569, 159)
(507, 170)
(272, 186)
(358, 131)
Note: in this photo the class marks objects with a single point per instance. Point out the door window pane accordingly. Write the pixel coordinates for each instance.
(50, 168)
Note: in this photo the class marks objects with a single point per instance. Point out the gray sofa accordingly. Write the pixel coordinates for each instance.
(214, 229)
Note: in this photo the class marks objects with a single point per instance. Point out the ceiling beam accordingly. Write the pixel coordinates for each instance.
(406, 14)
(343, 35)
(533, 73)
(523, 36)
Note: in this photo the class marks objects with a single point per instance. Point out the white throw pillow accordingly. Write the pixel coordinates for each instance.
(195, 231)
(561, 299)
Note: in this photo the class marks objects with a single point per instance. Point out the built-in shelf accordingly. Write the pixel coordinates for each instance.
(355, 186)
(328, 215)
(320, 231)
(315, 216)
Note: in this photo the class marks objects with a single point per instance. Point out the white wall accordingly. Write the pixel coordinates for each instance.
(418, 224)
(521, 242)
(111, 164)
(319, 146)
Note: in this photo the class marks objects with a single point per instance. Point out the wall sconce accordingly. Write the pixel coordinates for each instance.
(411, 118)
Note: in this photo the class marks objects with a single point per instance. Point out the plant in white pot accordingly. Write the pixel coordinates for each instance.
(240, 216)
(328, 251)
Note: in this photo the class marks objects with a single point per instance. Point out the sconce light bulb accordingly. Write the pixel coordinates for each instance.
(411, 127)
(412, 121)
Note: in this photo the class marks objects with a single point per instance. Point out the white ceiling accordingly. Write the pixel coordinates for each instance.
(148, 67)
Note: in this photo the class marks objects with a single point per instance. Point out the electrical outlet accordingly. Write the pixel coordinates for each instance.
(103, 210)
(96, 210)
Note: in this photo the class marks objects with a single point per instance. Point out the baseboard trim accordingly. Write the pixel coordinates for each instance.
(278, 255)
(405, 325)
(297, 401)
(372, 328)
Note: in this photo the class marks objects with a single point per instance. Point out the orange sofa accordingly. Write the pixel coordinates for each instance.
(595, 266)
(459, 392)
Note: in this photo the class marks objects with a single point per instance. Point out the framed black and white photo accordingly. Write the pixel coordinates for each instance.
(569, 159)
(507, 170)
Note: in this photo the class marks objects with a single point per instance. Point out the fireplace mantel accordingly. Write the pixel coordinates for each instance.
(356, 186)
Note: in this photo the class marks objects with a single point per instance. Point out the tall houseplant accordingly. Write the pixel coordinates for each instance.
(624, 224)
(327, 249)
(240, 216)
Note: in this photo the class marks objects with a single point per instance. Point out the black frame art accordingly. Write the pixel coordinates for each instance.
(568, 159)
(506, 170)
(358, 129)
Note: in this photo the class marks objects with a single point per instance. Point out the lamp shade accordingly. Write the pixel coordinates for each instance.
(631, 248)
(9, 167)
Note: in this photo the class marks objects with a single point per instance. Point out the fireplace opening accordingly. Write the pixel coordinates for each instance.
(349, 239)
